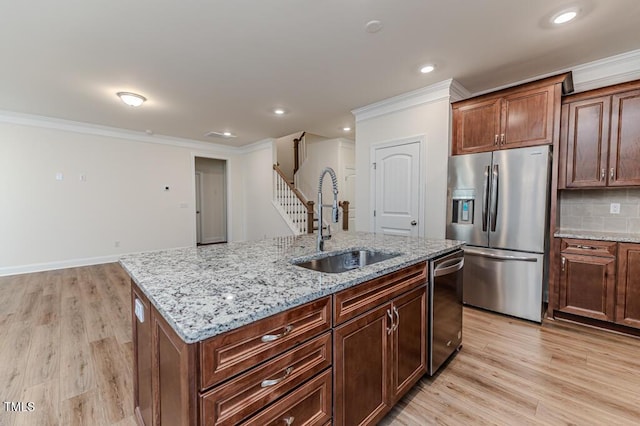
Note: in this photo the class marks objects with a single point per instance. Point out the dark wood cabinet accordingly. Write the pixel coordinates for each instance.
(600, 145)
(628, 285)
(361, 367)
(624, 158)
(409, 342)
(600, 280)
(379, 356)
(522, 116)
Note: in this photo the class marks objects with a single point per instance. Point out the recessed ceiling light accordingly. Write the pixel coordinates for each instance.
(373, 26)
(564, 16)
(346, 129)
(131, 99)
(278, 111)
(427, 69)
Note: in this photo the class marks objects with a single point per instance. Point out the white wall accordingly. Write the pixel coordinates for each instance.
(213, 208)
(121, 207)
(261, 218)
(429, 119)
(321, 153)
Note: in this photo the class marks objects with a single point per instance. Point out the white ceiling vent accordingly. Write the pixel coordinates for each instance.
(225, 135)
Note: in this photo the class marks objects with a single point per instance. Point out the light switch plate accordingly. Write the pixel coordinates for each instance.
(614, 208)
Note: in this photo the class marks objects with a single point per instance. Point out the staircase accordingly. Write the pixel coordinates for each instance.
(294, 208)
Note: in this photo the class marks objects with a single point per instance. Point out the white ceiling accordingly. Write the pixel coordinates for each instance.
(224, 65)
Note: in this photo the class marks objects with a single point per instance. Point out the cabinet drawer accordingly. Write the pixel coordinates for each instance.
(231, 353)
(248, 393)
(588, 247)
(353, 301)
(309, 405)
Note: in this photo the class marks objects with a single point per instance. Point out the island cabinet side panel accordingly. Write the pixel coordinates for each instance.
(142, 358)
(174, 375)
(226, 355)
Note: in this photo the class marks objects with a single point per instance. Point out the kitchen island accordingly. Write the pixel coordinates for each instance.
(210, 321)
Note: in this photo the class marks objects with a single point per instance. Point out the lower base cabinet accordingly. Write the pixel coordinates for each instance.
(378, 357)
(600, 280)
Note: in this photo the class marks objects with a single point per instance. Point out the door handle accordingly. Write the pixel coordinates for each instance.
(495, 140)
(612, 174)
(271, 337)
(272, 382)
(603, 173)
(446, 269)
(395, 311)
(485, 197)
(390, 315)
(499, 257)
(414, 223)
(494, 197)
(564, 261)
(288, 420)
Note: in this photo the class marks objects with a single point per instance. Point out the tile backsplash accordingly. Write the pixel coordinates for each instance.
(589, 210)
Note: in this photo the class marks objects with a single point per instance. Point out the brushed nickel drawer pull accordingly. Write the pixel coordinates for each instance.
(271, 337)
(580, 246)
(612, 174)
(288, 420)
(272, 382)
(603, 173)
(564, 261)
(390, 315)
(395, 311)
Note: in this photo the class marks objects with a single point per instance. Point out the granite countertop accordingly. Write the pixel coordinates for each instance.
(205, 291)
(598, 235)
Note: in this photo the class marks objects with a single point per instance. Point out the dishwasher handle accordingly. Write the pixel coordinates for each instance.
(448, 267)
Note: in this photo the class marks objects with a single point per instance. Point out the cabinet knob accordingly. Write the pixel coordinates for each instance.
(414, 223)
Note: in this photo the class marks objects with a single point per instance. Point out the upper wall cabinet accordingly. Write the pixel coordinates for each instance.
(600, 138)
(521, 116)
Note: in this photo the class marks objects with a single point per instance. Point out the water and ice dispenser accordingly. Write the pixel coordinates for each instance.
(463, 204)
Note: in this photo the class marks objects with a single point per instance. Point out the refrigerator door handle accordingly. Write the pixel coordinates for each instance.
(485, 197)
(494, 197)
(498, 256)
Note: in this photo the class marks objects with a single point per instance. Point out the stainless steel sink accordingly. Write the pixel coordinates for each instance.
(343, 262)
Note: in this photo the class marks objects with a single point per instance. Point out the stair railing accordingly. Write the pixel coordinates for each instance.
(298, 211)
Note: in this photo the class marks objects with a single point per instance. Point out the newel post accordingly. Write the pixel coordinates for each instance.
(310, 217)
(345, 215)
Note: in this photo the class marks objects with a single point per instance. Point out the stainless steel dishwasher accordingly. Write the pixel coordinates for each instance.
(445, 308)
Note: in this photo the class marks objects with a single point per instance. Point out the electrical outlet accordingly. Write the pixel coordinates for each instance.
(59, 176)
(614, 208)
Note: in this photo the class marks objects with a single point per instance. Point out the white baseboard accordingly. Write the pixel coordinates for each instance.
(49, 266)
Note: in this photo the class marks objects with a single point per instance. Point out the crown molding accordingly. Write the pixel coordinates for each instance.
(256, 146)
(435, 92)
(605, 72)
(43, 122)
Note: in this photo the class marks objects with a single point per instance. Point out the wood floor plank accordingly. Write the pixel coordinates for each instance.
(83, 409)
(76, 365)
(114, 381)
(46, 401)
(44, 357)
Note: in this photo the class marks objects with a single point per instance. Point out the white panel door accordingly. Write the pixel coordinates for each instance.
(397, 189)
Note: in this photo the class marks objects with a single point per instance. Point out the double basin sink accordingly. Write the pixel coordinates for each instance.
(335, 263)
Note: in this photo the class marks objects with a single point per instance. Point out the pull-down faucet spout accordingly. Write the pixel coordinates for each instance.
(334, 206)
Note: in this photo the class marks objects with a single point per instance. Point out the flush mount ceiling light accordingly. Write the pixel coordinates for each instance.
(279, 111)
(131, 99)
(426, 69)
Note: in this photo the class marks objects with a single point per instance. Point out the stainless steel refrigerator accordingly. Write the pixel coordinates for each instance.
(498, 203)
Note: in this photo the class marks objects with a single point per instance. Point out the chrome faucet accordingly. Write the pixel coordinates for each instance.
(334, 206)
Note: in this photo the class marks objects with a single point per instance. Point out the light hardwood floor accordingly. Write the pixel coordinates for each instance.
(65, 345)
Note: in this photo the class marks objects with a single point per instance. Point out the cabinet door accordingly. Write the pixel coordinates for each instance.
(628, 288)
(476, 127)
(527, 118)
(409, 353)
(624, 159)
(587, 286)
(587, 143)
(361, 364)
